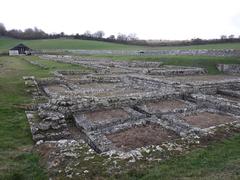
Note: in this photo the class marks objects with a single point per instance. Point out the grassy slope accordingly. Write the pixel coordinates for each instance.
(17, 161)
(52, 44)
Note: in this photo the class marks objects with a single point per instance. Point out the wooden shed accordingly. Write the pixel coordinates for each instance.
(20, 49)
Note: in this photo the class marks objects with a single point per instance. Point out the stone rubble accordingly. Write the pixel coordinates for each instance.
(229, 68)
(199, 52)
(73, 99)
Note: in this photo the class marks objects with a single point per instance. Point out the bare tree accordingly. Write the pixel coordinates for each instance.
(2, 29)
(98, 34)
(112, 37)
(223, 37)
(15, 33)
(132, 37)
(122, 37)
(38, 33)
(87, 33)
(77, 36)
(231, 36)
(35, 33)
(62, 34)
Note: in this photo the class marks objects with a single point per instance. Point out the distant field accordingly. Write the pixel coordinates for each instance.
(61, 44)
(65, 44)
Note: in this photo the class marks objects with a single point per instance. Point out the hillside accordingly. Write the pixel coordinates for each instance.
(62, 44)
(51, 44)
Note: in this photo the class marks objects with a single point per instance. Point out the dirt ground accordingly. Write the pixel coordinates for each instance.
(141, 136)
(95, 86)
(117, 92)
(206, 119)
(57, 89)
(106, 115)
(163, 106)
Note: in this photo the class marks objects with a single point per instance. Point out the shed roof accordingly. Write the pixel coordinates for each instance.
(20, 46)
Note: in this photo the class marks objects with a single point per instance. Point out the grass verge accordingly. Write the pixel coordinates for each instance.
(17, 158)
(221, 160)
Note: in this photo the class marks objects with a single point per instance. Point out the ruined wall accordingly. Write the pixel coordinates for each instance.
(122, 96)
(203, 52)
(229, 68)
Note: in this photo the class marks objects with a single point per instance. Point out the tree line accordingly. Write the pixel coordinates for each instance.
(36, 33)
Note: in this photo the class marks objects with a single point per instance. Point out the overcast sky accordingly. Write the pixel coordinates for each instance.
(149, 19)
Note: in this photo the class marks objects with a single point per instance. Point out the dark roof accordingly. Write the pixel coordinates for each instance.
(20, 46)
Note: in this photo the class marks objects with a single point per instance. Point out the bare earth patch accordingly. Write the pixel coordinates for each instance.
(117, 92)
(96, 86)
(57, 89)
(206, 119)
(106, 115)
(137, 137)
(163, 106)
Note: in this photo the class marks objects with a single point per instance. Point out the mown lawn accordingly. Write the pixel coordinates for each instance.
(221, 160)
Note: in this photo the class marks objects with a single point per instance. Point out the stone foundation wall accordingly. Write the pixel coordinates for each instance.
(229, 68)
(133, 96)
(128, 67)
(203, 52)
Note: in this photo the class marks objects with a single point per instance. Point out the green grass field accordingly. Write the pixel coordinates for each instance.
(63, 44)
(66, 44)
(17, 158)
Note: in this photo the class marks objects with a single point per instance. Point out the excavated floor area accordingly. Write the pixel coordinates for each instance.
(206, 119)
(163, 106)
(137, 137)
(105, 115)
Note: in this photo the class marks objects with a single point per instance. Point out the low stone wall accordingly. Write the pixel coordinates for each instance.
(108, 66)
(202, 52)
(177, 72)
(209, 101)
(229, 68)
(230, 92)
(47, 124)
(99, 104)
(70, 105)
